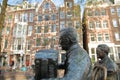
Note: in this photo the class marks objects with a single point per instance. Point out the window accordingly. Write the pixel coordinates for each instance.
(77, 24)
(8, 30)
(97, 13)
(46, 40)
(98, 25)
(112, 10)
(6, 43)
(91, 25)
(89, 13)
(39, 18)
(46, 29)
(69, 14)
(118, 11)
(38, 29)
(53, 28)
(53, 17)
(69, 24)
(38, 40)
(29, 30)
(47, 6)
(114, 21)
(19, 45)
(69, 4)
(103, 12)
(107, 37)
(16, 18)
(62, 25)
(46, 17)
(117, 36)
(105, 24)
(10, 18)
(92, 50)
(99, 37)
(31, 17)
(28, 44)
(62, 15)
(25, 17)
(92, 37)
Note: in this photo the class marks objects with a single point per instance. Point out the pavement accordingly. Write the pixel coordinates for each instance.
(16, 75)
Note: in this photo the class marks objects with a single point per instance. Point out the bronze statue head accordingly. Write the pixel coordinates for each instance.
(102, 50)
(68, 37)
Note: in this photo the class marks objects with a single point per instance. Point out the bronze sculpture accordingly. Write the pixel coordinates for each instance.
(78, 64)
(105, 68)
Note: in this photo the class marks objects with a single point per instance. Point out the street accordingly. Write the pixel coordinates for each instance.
(16, 75)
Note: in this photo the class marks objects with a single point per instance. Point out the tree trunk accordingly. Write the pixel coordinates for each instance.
(2, 18)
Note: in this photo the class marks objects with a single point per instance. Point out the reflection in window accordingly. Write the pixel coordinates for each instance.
(105, 24)
(91, 25)
(53, 17)
(99, 37)
(53, 28)
(117, 36)
(46, 29)
(29, 30)
(39, 18)
(38, 29)
(112, 10)
(114, 21)
(107, 37)
(46, 17)
(103, 12)
(98, 25)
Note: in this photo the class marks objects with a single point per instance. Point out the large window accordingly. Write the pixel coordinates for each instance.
(31, 17)
(118, 11)
(6, 43)
(46, 17)
(98, 25)
(114, 21)
(38, 40)
(99, 37)
(62, 25)
(97, 13)
(8, 30)
(28, 44)
(89, 13)
(92, 37)
(53, 17)
(107, 37)
(91, 25)
(47, 5)
(29, 30)
(62, 15)
(112, 10)
(105, 24)
(117, 36)
(103, 12)
(69, 4)
(53, 28)
(46, 29)
(39, 18)
(38, 29)
(46, 41)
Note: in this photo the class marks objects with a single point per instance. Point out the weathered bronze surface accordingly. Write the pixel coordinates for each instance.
(105, 68)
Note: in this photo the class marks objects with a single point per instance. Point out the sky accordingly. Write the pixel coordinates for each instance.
(57, 2)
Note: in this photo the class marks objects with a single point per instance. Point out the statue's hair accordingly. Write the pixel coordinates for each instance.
(70, 33)
(104, 48)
